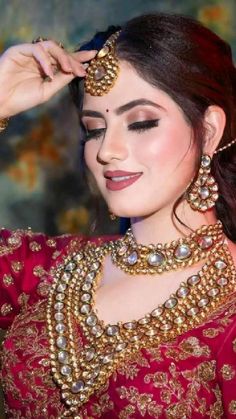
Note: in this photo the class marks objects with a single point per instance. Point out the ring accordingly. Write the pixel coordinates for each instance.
(41, 39)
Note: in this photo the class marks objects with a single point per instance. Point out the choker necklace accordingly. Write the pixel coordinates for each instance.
(85, 351)
(134, 258)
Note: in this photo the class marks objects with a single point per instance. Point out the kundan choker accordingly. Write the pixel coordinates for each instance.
(85, 351)
(135, 258)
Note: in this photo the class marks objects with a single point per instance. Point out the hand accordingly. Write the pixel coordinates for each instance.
(30, 74)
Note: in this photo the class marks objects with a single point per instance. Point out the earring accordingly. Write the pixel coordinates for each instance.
(203, 193)
(112, 216)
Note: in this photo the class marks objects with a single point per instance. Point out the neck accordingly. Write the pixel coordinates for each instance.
(162, 227)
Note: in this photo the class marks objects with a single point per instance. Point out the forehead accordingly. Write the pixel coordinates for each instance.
(129, 86)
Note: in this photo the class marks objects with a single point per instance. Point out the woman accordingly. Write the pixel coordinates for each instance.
(121, 328)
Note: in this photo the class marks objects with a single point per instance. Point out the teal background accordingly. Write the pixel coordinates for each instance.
(40, 183)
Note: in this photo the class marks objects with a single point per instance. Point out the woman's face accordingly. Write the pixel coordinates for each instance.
(138, 146)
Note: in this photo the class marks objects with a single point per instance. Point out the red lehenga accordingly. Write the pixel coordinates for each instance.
(192, 376)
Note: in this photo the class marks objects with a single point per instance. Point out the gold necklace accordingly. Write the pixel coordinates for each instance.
(135, 258)
(79, 372)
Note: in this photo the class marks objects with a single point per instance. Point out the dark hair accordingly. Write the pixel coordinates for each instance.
(194, 67)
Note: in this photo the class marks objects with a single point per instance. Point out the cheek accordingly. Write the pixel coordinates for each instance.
(166, 148)
(90, 155)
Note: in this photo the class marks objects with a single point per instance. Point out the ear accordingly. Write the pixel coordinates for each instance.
(214, 123)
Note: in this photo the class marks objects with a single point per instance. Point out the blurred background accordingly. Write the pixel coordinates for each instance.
(40, 181)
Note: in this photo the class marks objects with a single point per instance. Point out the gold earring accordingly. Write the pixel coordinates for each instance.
(203, 193)
(112, 215)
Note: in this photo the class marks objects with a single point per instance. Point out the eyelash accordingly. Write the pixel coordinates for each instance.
(135, 126)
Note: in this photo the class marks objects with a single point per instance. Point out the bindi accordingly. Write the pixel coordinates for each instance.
(107, 110)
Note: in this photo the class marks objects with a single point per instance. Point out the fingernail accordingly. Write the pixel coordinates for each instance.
(85, 65)
(50, 75)
(68, 68)
(48, 78)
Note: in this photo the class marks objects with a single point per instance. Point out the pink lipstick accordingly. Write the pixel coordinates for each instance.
(120, 179)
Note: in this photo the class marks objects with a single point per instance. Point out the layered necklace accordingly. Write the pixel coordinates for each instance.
(80, 371)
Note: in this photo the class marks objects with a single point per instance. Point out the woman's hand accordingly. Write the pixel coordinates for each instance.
(30, 74)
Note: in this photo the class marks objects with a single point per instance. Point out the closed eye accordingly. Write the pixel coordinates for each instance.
(142, 126)
(94, 133)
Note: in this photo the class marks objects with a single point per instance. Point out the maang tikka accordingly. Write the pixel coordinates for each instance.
(103, 70)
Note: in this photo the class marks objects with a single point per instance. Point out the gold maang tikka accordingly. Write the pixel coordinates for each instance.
(103, 70)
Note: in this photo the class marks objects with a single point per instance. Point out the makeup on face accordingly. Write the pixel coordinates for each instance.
(140, 117)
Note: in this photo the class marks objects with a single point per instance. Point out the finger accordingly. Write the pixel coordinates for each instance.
(78, 67)
(43, 59)
(60, 80)
(59, 54)
(84, 55)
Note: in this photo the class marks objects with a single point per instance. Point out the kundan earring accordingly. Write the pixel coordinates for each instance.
(203, 192)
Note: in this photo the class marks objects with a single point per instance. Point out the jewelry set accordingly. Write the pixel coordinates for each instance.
(85, 351)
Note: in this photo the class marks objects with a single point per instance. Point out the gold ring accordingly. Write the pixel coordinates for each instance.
(41, 39)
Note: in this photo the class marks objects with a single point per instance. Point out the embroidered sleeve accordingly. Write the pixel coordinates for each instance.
(25, 259)
(226, 367)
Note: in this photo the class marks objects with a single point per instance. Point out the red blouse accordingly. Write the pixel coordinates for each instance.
(193, 376)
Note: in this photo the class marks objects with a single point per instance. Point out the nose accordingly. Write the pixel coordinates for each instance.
(113, 146)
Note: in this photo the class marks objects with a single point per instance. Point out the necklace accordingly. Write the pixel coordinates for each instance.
(79, 372)
(135, 258)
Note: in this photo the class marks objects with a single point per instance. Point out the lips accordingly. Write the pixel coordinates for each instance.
(120, 179)
(115, 173)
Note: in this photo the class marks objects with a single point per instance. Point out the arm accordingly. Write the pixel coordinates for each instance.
(25, 261)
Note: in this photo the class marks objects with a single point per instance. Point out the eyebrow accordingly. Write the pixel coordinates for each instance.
(123, 108)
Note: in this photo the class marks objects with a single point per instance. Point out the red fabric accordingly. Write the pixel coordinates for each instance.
(193, 376)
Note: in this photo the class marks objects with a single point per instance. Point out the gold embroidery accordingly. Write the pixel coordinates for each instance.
(23, 299)
(228, 372)
(6, 309)
(13, 242)
(17, 266)
(51, 243)
(38, 271)
(216, 410)
(143, 401)
(155, 353)
(206, 370)
(29, 363)
(127, 412)
(232, 407)
(56, 254)
(188, 347)
(129, 368)
(43, 288)
(103, 406)
(212, 332)
(8, 280)
(35, 246)
(159, 379)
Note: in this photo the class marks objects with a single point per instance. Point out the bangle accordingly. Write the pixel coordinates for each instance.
(3, 124)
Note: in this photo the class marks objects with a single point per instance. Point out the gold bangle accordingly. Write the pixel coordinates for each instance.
(3, 124)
